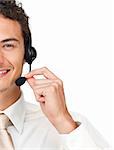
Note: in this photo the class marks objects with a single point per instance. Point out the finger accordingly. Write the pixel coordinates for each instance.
(42, 81)
(39, 98)
(44, 91)
(36, 87)
(37, 83)
(44, 85)
(31, 81)
(40, 92)
(42, 71)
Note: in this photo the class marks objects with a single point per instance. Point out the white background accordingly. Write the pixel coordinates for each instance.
(73, 39)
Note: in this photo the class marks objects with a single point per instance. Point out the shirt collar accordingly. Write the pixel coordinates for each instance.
(16, 113)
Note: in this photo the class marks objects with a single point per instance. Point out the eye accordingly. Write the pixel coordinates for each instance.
(8, 46)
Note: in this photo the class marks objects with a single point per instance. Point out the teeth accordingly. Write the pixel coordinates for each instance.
(2, 72)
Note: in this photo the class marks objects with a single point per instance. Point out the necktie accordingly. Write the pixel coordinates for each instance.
(5, 139)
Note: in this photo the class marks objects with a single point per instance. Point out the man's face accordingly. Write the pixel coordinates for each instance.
(11, 52)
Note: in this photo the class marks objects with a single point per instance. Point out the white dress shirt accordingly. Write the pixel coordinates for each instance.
(31, 130)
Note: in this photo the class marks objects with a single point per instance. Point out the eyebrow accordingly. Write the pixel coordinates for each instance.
(9, 39)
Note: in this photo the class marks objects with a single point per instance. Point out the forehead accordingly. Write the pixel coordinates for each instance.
(9, 29)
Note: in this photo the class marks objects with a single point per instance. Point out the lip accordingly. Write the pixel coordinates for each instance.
(6, 68)
(4, 74)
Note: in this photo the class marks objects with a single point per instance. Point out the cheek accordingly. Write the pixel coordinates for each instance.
(16, 60)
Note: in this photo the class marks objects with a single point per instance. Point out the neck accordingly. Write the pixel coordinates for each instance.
(9, 97)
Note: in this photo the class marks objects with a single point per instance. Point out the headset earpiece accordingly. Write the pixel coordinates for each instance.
(30, 52)
(30, 55)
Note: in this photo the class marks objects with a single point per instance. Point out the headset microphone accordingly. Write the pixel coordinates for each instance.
(21, 80)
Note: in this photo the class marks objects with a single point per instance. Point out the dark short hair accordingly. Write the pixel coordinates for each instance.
(10, 9)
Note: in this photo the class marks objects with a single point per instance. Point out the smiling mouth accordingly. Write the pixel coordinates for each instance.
(4, 72)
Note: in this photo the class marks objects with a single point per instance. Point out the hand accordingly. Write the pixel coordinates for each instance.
(49, 93)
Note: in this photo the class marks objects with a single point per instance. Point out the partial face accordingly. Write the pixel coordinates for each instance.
(11, 52)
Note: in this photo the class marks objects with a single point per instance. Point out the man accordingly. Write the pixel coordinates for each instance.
(50, 128)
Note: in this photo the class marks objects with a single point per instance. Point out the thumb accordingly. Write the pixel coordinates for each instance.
(31, 81)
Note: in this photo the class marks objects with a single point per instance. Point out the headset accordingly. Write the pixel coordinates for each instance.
(30, 55)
